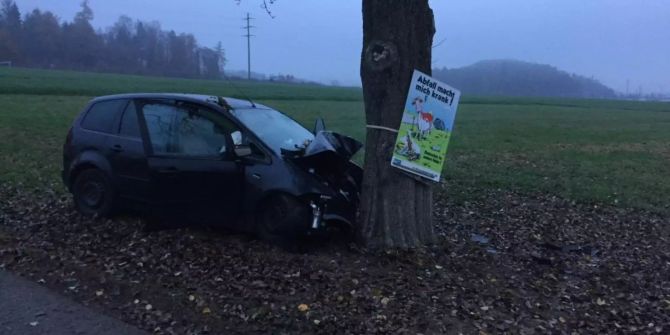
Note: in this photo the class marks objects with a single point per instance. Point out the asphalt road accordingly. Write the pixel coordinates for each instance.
(27, 308)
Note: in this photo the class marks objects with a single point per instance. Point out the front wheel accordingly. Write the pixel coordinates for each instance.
(283, 218)
(93, 193)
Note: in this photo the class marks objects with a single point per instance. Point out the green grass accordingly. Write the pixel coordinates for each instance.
(32, 132)
(587, 150)
(41, 82)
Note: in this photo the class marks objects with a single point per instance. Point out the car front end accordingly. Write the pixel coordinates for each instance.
(316, 169)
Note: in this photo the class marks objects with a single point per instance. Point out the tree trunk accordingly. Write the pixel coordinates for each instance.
(396, 209)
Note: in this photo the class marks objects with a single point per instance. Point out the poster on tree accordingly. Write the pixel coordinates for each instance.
(425, 129)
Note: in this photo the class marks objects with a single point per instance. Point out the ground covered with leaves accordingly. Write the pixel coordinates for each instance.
(505, 263)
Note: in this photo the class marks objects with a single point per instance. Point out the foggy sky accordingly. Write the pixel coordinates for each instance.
(611, 40)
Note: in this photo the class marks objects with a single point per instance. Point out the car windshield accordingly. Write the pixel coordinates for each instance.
(275, 129)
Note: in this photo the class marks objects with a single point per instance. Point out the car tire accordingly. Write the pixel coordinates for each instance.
(283, 219)
(93, 193)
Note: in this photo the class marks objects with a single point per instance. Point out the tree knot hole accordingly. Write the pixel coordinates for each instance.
(380, 54)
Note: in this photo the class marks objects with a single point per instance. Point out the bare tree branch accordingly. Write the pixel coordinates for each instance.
(265, 5)
(439, 43)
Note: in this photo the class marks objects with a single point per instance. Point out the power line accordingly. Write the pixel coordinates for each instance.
(248, 36)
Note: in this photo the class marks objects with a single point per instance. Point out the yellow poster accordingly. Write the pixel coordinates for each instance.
(425, 129)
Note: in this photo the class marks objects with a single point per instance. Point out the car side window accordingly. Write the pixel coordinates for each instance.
(198, 135)
(186, 130)
(130, 127)
(159, 119)
(103, 115)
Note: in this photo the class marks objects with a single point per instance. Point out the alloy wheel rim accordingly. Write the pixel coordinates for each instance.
(92, 194)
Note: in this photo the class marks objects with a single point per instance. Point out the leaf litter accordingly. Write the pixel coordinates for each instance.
(505, 263)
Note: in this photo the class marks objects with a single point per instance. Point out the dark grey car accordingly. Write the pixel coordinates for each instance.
(210, 160)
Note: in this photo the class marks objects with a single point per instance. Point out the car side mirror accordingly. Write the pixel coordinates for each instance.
(243, 150)
(319, 126)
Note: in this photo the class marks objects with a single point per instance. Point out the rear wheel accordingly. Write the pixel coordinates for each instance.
(93, 193)
(283, 219)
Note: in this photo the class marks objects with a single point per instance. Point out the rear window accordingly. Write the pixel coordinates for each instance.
(102, 116)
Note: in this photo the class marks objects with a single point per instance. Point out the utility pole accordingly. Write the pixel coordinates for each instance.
(248, 36)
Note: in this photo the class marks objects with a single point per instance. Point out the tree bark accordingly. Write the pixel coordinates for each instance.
(396, 209)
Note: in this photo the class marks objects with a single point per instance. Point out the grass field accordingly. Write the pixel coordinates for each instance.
(608, 152)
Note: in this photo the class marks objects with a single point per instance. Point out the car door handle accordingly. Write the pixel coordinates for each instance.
(117, 148)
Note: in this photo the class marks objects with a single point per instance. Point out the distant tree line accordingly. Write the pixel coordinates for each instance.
(517, 78)
(40, 39)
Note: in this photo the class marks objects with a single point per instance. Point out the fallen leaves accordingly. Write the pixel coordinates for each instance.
(504, 264)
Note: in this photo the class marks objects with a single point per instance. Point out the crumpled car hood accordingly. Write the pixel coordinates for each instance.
(329, 150)
(344, 146)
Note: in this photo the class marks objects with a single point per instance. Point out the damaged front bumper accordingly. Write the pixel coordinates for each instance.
(331, 212)
(317, 215)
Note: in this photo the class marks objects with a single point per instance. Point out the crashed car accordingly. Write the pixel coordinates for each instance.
(210, 160)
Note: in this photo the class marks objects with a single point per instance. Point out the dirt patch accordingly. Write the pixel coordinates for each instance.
(506, 263)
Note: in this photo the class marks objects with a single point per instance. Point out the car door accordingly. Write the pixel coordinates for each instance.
(194, 173)
(127, 157)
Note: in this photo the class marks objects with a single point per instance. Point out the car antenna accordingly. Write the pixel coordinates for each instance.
(239, 91)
